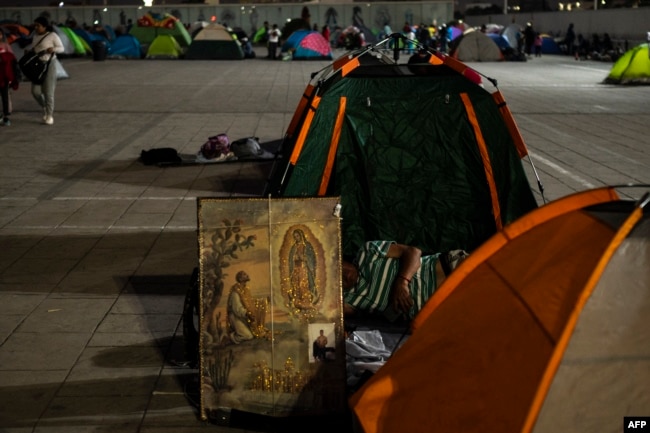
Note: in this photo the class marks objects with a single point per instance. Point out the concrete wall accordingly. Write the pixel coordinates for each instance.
(621, 24)
(250, 17)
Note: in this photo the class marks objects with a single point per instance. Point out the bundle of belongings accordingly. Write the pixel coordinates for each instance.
(219, 148)
(366, 351)
(161, 155)
(216, 149)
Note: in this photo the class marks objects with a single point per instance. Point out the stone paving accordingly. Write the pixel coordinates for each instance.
(96, 249)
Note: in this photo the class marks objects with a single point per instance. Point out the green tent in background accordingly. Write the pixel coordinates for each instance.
(81, 47)
(72, 44)
(164, 47)
(633, 67)
(214, 42)
(419, 154)
(149, 27)
(260, 35)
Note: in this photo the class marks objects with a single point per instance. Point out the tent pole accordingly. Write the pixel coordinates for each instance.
(539, 182)
(396, 38)
(643, 201)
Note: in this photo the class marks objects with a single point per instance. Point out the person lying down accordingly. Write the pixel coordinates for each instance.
(392, 279)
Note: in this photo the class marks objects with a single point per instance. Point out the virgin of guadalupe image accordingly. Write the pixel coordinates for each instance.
(301, 280)
(302, 267)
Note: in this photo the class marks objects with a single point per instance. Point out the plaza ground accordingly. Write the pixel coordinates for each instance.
(96, 249)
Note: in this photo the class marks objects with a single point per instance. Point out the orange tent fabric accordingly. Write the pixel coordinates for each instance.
(14, 31)
(538, 330)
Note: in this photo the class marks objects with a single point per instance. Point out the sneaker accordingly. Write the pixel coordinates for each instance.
(6, 122)
(49, 120)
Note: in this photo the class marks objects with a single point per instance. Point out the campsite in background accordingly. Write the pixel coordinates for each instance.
(155, 35)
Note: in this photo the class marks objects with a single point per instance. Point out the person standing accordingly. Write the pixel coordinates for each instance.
(569, 41)
(8, 78)
(444, 36)
(538, 45)
(274, 40)
(424, 37)
(326, 33)
(529, 39)
(47, 44)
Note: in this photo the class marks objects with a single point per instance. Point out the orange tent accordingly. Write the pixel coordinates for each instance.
(14, 31)
(545, 327)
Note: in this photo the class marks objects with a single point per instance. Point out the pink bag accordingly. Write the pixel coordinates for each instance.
(216, 146)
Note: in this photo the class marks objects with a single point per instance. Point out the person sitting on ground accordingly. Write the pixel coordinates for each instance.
(393, 279)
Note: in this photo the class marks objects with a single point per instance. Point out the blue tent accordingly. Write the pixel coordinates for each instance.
(88, 36)
(501, 42)
(110, 32)
(307, 45)
(549, 46)
(125, 47)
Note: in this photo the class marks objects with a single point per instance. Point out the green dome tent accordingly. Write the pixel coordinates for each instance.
(632, 68)
(419, 154)
(150, 26)
(214, 42)
(72, 43)
(164, 47)
(260, 35)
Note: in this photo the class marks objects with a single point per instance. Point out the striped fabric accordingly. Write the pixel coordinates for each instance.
(376, 275)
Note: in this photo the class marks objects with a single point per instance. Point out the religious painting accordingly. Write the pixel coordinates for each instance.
(270, 318)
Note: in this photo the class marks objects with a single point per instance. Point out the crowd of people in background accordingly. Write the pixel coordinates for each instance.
(436, 37)
(439, 38)
(595, 48)
(410, 37)
(430, 36)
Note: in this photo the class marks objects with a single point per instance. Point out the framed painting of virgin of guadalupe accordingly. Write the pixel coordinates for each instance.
(270, 315)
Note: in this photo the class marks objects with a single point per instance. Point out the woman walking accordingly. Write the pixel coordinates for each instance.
(46, 43)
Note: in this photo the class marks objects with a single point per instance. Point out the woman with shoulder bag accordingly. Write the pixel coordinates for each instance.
(47, 44)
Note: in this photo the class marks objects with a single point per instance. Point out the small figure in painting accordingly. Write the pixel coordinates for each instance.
(320, 347)
(245, 313)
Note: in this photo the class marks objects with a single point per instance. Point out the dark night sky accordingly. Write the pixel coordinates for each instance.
(37, 3)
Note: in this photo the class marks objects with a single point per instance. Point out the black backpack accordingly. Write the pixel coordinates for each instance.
(162, 155)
